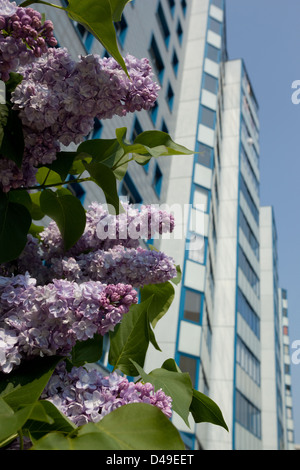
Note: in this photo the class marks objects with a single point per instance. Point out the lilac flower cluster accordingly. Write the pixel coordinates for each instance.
(23, 37)
(135, 266)
(59, 99)
(87, 396)
(104, 231)
(48, 320)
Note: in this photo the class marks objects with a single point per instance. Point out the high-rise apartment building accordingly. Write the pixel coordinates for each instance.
(228, 323)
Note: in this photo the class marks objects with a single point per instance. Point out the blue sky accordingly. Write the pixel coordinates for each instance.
(266, 34)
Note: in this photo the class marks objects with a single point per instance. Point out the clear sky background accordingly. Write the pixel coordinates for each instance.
(266, 34)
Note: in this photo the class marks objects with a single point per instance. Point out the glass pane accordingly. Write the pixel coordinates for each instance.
(208, 117)
(192, 305)
(210, 83)
(212, 53)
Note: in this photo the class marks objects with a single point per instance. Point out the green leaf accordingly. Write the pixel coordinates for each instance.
(117, 7)
(97, 17)
(36, 212)
(24, 386)
(130, 339)
(3, 120)
(204, 409)
(63, 164)
(87, 351)
(69, 214)
(46, 176)
(57, 422)
(21, 197)
(177, 385)
(12, 144)
(35, 230)
(15, 221)
(137, 426)
(161, 144)
(14, 80)
(162, 297)
(106, 151)
(106, 180)
(171, 365)
(176, 280)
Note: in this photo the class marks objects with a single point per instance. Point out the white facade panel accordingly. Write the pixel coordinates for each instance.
(194, 276)
(216, 13)
(206, 135)
(203, 176)
(209, 100)
(212, 68)
(189, 338)
(214, 39)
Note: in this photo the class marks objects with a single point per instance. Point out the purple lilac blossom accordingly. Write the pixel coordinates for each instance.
(104, 231)
(87, 395)
(59, 99)
(48, 320)
(135, 266)
(23, 37)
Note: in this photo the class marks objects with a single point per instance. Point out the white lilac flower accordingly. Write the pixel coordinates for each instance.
(7, 8)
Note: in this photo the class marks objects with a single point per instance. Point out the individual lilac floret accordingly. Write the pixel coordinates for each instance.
(87, 395)
(23, 37)
(135, 266)
(7, 8)
(104, 231)
(48, 320)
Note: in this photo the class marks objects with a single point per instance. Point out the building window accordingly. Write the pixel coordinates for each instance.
(248, 362)
(170, 97)
(204, 155)
(217, 3)
(215, 26)
(179, 31)
(129, 192)
(156, 59)
(196, 248)
(86, 37)
(137, 129)
(184, 6)
(247, 231)
(248, 271)
(247, 415)
(284, 294)
(157, 180)
(207, 331)
(212, 53)
(248, 314)
(175, 63)
(164, 127)
(201, 197)
(121, 29)
(189, 364)
(210, 83)
(208, 117)
(163, 25)
(251, 204)
(192, 306)
(171, 6)
(96, 132)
